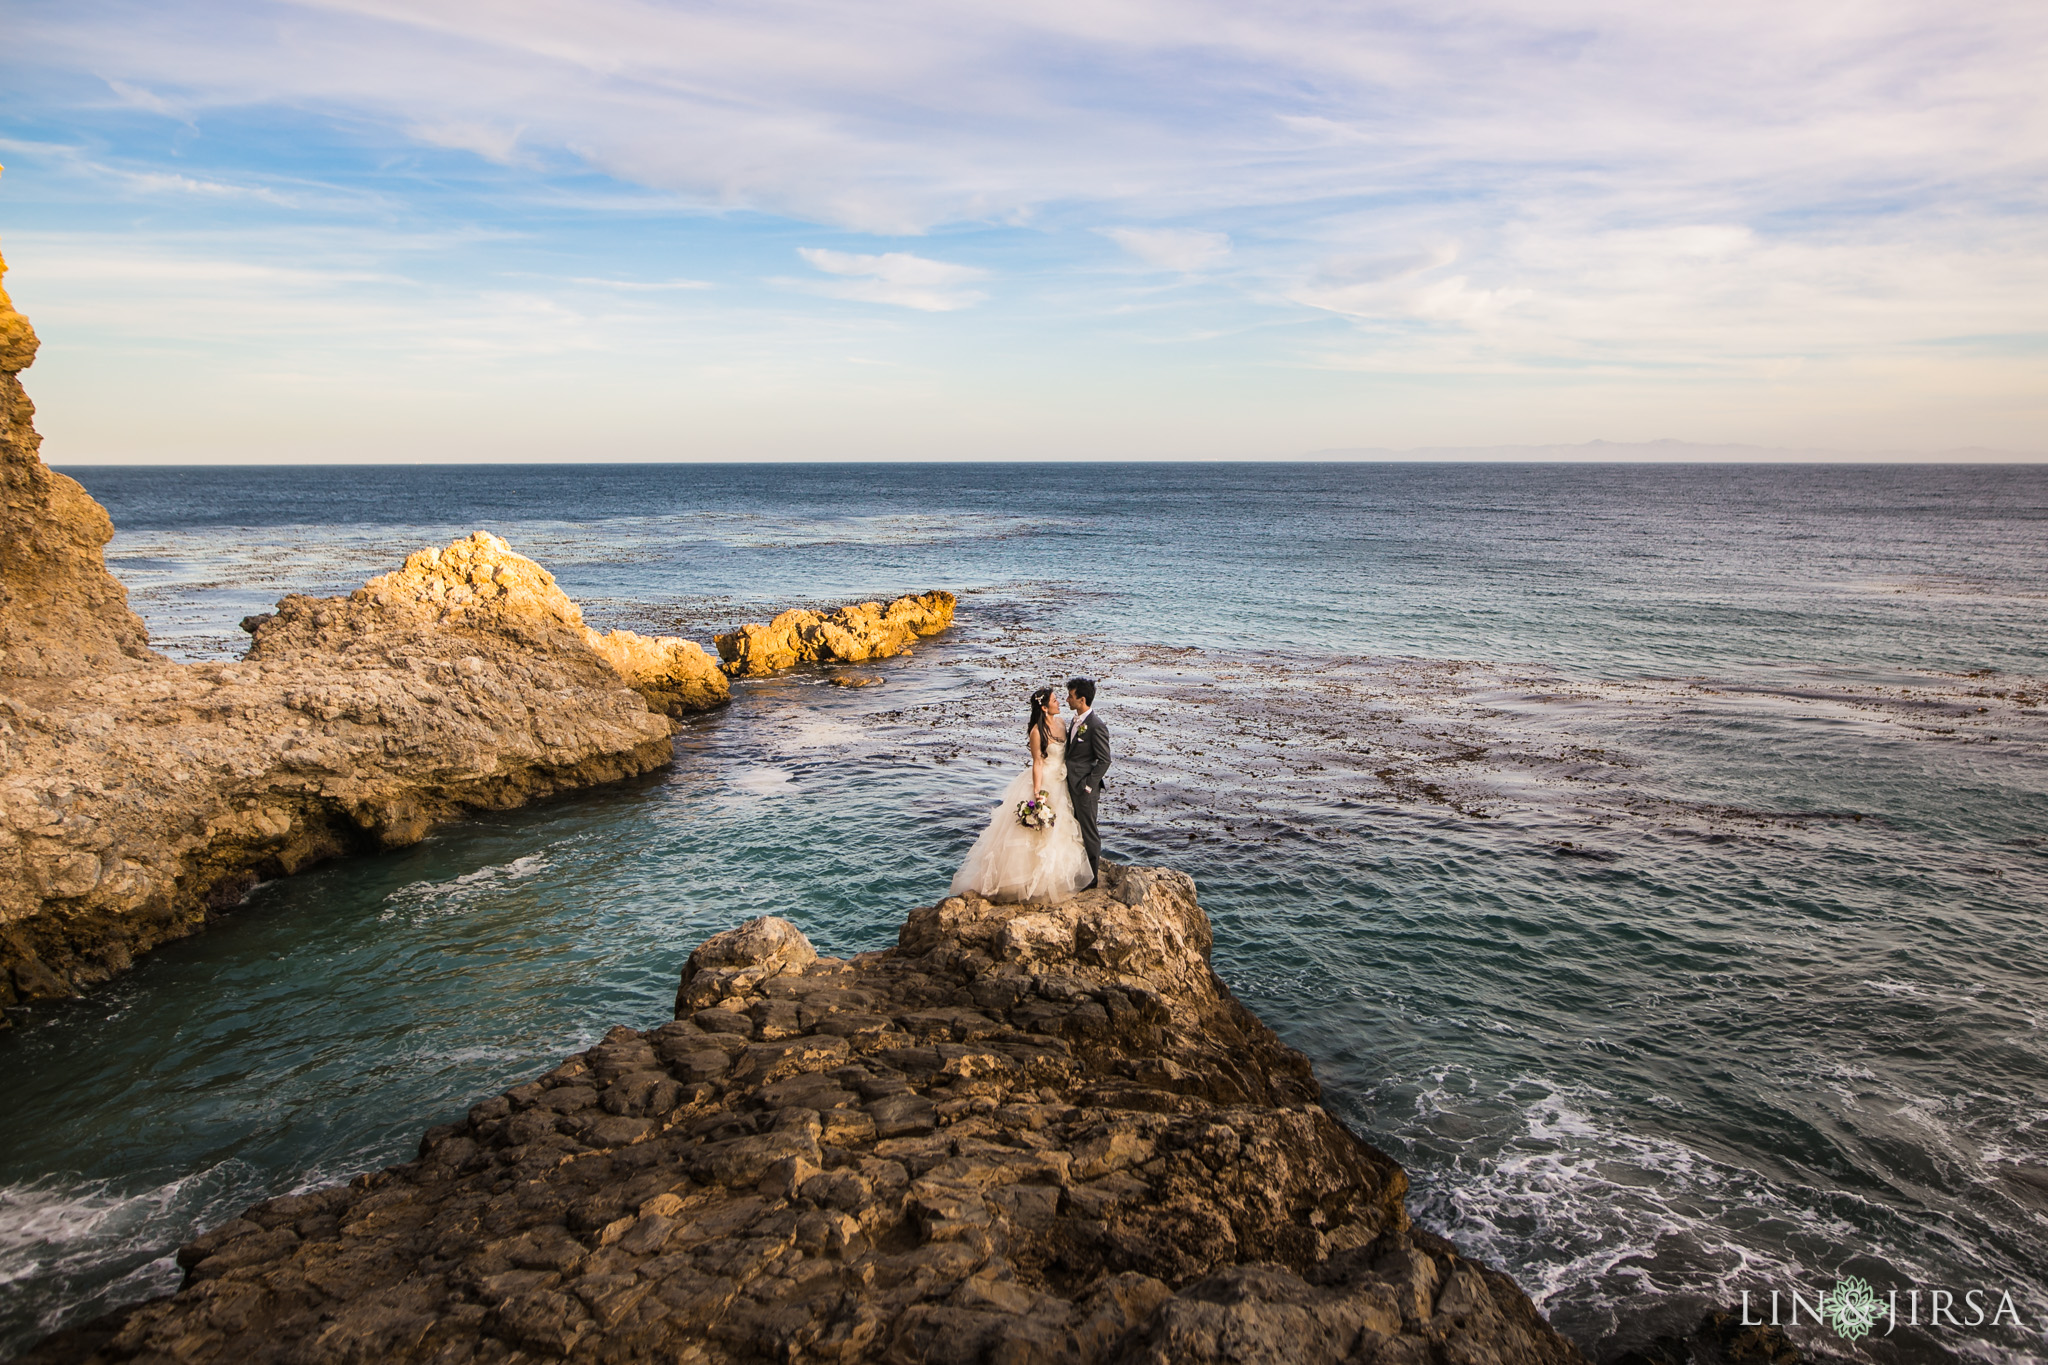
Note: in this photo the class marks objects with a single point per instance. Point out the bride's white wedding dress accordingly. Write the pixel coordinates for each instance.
(1011, 862)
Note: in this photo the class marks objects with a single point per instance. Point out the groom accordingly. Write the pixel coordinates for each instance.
(1087, 761)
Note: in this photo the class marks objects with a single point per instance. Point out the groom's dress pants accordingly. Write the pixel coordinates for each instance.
(1084, 815)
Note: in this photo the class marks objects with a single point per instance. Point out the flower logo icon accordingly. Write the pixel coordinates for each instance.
(1851, 1307)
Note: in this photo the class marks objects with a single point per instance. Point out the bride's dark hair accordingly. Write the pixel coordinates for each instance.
(1039, 721)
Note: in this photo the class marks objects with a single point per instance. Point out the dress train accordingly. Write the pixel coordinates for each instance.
(1014, 863)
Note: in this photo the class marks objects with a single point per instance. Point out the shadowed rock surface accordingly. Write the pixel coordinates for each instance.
(1024, 1134)
(137, 795)
(1720, 1338)
(864, 630)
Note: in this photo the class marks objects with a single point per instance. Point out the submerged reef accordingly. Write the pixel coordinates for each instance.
(1044, 1133)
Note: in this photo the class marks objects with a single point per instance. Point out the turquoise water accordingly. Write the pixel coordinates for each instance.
(1651, 857)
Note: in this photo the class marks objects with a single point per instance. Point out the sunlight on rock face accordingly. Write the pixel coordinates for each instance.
(865, 630)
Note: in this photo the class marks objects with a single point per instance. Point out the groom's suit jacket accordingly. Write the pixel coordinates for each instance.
(1087, 755)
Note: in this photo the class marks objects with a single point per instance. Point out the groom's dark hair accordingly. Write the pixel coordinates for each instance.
(1083, 688)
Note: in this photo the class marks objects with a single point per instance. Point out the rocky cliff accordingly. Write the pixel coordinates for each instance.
(61, 612)
(1023, 1134)
(138, 795)
(864, 630)
(137, 800)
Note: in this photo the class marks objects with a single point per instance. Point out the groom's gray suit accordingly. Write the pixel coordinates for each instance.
(1087, 761)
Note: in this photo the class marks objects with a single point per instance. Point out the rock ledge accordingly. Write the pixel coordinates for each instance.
(1022, 1135)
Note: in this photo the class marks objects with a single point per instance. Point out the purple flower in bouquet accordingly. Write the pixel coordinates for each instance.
(1037, 813)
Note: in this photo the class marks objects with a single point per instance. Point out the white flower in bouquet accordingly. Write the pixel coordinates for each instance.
(1037, 813)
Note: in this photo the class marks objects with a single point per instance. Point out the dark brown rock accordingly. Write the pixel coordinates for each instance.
(1069, 1144)
(1720, 1338)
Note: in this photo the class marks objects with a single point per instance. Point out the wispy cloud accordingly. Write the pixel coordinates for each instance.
(1683, 200)
(896, 277)
(147, 100)
(492, 141)
(931, 113)
(1403, 287)
(639, 286)
(1183, 249)
(170, 182)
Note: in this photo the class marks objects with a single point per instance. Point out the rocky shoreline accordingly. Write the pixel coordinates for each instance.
(1022, 1134)
(140, 796)
(1042, 1133)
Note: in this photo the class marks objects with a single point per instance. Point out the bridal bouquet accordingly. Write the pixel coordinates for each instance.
(1037, 813)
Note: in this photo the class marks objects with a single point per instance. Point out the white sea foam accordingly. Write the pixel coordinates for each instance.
(58, 1235)
(1576, 1199)
(458, 893)
(764, 781)
(1594, 1216)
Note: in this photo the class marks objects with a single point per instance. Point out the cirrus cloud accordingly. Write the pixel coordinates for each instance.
(1183, 249)
(895, 277)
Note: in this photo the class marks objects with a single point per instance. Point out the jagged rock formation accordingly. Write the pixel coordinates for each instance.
(480, 584)
(1024, 1134)
(136, 801)
(138, 795)
(61, 612)
(865, 630)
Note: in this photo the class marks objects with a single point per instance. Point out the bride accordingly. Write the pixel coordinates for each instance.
(1012, 861)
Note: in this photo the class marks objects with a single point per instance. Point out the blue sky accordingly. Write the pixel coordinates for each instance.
(622, 229)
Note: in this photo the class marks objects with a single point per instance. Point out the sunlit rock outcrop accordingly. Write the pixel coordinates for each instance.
(480, 584)
(1033, 1135)
(865, 630)
(137, 800)
(674, 675)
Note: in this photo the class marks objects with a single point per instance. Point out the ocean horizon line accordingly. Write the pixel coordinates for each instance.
(1590, 454)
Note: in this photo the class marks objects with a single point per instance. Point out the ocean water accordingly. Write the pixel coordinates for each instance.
(1653, 858)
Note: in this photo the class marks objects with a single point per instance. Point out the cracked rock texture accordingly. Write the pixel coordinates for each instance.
(138, 795)
(1024, 1134)
(864, 630)
(481, 577)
